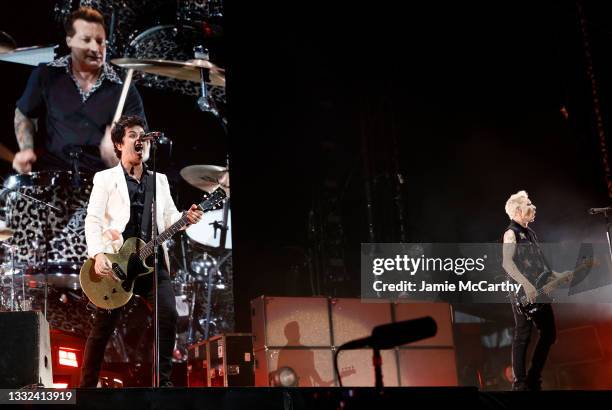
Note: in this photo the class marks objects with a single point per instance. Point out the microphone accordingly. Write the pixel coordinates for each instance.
(395, 334)
(594, 211)
(157, 137)
(152, 136)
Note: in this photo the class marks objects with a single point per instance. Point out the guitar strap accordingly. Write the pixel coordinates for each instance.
(145, 225)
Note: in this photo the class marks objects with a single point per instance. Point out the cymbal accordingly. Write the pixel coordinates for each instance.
(28, 55)
(206, 177)
(181, 70)
(7, 43)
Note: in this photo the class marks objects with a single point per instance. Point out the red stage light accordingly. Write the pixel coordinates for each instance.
(68, 357)
(61, 382)
(60, 385)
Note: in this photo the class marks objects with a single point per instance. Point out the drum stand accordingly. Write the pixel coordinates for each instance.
(211, 272)
(15, 306)
(205, 102)
(223, 227)
(45, 231)
(192, 306)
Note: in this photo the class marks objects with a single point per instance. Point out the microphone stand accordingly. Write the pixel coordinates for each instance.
(155, 258)
(226, 205)
(223, 225)
(608, 226)
(604, 211)
(377, 362)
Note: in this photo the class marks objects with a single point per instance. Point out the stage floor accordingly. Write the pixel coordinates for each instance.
(330, 398)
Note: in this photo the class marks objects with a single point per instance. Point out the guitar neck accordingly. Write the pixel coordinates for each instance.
(553, 284)
(548, 286)
(215, 198)
(148, 249)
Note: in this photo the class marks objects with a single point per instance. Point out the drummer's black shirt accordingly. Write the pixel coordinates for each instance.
(73, 117)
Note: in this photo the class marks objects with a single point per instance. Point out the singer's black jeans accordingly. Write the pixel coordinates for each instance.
(105, 322)
(544, 321)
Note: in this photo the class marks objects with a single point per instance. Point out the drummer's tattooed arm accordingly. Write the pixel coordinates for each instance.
(24, 130)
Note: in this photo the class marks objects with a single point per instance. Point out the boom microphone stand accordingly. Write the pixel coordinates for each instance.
(608, 226)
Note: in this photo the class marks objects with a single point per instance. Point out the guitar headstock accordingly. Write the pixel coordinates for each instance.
(587, 263)
(212, 200)
(590, 263)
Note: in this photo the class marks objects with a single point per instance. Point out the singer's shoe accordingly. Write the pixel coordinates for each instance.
(534, 384)
(520, 386)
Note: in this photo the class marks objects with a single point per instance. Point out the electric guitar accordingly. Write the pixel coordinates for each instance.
(114, 291)
(544, 285)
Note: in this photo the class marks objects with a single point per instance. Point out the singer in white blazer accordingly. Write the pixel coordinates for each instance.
(117, 207)
(108, 211)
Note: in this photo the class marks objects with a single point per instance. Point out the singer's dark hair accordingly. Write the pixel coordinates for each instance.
(120, 127)
(88, 14)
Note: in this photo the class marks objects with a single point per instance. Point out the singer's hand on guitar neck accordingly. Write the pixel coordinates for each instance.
(194, 214)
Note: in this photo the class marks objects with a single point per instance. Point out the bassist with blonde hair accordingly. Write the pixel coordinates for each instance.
(524, 262)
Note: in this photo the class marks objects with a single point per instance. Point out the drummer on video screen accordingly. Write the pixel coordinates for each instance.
(73, 99)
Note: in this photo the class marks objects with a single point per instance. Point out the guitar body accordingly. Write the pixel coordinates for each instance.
(531, 309)
(545, 283)
(107, 292)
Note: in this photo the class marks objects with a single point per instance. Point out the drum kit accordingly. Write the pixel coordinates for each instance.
(43, 239)
(42, 227)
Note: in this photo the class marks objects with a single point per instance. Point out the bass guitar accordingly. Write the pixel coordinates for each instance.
(545, 283)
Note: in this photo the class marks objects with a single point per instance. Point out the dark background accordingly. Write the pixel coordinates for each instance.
(330, 100)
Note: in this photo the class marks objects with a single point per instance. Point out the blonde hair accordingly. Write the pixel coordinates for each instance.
(514, 202)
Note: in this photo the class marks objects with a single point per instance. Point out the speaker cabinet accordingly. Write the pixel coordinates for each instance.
(354, 319)
(428, 367)
(356, 368)
(291, 322)
(440, 312)
(312, 366)
(303, 333)
(25, 350)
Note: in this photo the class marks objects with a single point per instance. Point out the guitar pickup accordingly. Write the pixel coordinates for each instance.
(119, 272)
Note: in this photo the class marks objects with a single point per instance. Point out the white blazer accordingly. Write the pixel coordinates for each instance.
(109, 208)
